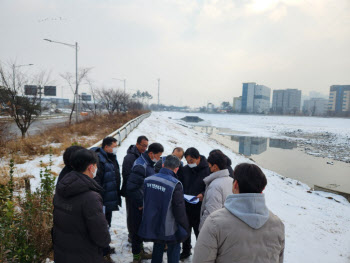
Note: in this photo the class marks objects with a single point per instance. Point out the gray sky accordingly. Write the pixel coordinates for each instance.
(201, 50)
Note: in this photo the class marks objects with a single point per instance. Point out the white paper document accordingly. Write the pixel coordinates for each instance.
(191, 199)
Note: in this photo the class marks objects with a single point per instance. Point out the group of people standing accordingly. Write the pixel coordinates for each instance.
(165, 199)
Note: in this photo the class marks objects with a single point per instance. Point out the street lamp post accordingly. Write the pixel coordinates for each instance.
(124, 80)
(76, 73)
(14, 72)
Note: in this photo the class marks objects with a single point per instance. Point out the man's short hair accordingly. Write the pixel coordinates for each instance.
(192, 152)
(215, 151)
(219, 159)
(81, 159)
(179, 149)
(141, 138)
(171, 162)
(68, 152)
(250, 178)
(156, 148)
(108, 141)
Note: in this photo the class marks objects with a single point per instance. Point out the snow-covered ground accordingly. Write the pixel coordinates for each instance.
(317, 228)
(274, 126)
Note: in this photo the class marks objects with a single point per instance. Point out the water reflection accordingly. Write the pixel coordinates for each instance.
(283, 144)
(250, 145)
(283, 157)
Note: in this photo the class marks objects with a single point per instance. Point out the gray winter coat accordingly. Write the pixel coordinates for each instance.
(244, 231)
(218, 187)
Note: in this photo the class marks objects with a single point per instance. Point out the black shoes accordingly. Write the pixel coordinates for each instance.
(185, 255)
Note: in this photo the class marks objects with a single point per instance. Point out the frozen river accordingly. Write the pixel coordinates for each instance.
(312, 150)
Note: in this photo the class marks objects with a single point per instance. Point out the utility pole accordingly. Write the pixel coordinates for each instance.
(158, 91)
(76, 73)
(124, 81)
(14, 73)
(76, 82)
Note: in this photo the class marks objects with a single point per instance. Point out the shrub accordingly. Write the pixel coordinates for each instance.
(26, 220)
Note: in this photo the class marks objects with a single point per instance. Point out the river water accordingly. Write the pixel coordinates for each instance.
(285, 158)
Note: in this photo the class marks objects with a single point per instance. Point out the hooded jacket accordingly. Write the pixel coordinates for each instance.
(131, 155)
(80, 228)
(241, 232)
(218, 187)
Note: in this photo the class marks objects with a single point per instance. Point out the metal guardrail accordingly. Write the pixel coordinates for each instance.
(125, 130)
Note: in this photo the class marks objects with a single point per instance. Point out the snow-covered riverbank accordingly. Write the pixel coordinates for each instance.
(317, 228)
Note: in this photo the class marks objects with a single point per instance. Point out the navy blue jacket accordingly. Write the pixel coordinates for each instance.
(131, 155)
(108, 176)
(164, 213)
(142, 168)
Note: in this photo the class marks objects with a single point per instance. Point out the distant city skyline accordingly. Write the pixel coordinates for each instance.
(202, 51)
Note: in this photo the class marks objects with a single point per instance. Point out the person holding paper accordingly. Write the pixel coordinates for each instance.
(218, 185)
(192, 180)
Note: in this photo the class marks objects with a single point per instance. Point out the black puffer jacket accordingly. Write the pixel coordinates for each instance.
(80, 228)
(108, 176)
(192, 178)
(131, 155)
(67, 169)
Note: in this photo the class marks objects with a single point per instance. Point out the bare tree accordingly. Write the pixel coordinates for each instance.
(93, 106)
(23, 109)
(125, 99)
(113, 100)
(106, 98)
(70, 79)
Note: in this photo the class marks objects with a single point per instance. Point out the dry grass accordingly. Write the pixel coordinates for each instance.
(64, 136)
(4, 130)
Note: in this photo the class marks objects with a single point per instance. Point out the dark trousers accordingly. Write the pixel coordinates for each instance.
(135, 218)
(193, 214)
(127, 206)
(109, 218)
(173, 252)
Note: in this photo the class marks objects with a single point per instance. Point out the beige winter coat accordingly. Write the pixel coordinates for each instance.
(256, 235)
(218, 187)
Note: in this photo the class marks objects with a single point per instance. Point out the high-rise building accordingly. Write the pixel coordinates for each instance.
(315, 107)
(286, 101)
(255, 98)
(339, 98)
(237, 104)
(262, 99)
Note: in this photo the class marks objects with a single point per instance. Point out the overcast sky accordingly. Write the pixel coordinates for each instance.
(201, 50)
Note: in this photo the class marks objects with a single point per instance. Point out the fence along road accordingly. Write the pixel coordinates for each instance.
(125, 130)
